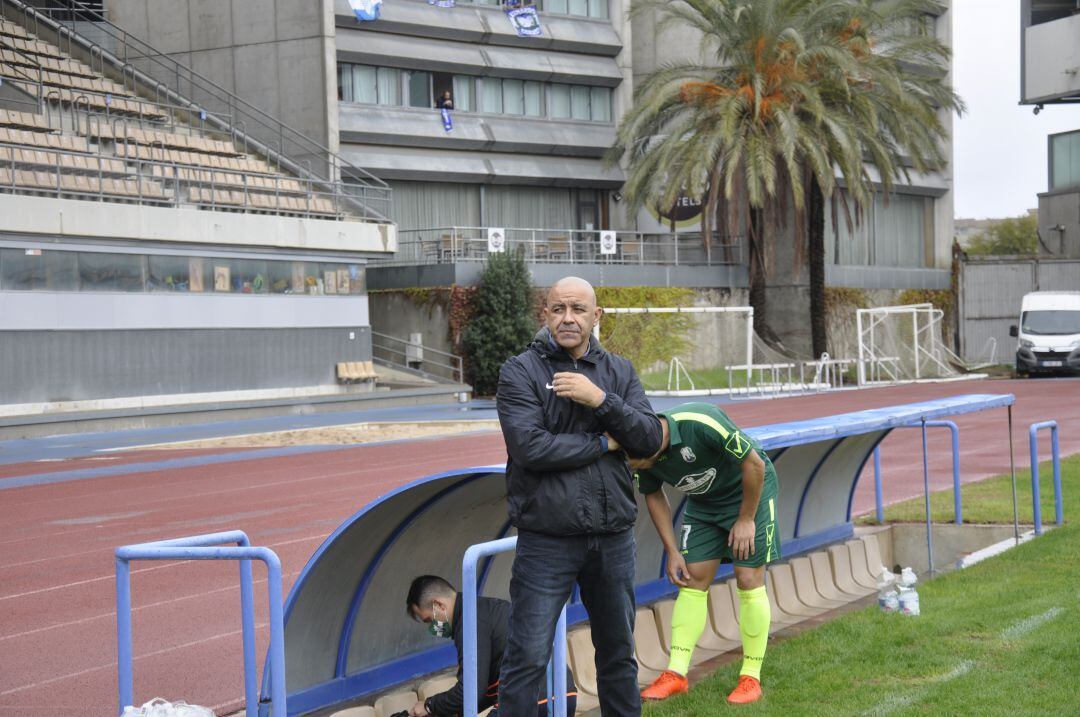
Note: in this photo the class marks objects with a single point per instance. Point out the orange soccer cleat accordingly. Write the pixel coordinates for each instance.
(668, 684)
(748, 690)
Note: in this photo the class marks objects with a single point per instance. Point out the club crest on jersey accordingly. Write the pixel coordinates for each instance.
(697, 482)
(687, 454)
(737, 444)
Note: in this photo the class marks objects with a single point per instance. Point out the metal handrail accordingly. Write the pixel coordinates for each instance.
(455, 366)
(436, 245)
(365, 189)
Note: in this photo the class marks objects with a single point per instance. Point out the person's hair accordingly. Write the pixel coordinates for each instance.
(424, 589)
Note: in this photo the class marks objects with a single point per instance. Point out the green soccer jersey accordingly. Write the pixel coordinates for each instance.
(704, 458)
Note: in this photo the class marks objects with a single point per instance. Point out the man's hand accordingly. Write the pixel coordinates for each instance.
(612, 444)
(741, 538)
(578, 388)
(677, 571)
(419, 710)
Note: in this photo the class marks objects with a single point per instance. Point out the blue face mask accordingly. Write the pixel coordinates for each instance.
(439, 628)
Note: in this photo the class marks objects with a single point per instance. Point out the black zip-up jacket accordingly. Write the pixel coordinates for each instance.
(492, 618)
(559, 478)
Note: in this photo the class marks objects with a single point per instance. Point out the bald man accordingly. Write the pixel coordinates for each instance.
(571, 413)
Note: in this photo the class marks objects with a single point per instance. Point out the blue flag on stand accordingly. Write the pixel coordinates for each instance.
(525, 20)
(447, 120)
(366, 10)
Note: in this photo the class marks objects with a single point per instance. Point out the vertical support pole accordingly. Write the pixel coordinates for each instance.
(468, 648)
(749, 347)
(1012, 475)
(958, 508)
(878, 502)
(277, 635)
(915, 325)
(1059, 511)
(558, 662)
(926, 494)
(247, 613)
(860, 370)
(123, 633)
(1036, 497)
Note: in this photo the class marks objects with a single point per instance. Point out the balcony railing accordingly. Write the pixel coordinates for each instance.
(448, 245)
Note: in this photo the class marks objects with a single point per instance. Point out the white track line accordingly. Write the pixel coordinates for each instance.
(1026, 625)
(893, 703)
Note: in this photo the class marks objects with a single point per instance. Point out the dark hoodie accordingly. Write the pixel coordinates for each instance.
(560, 480)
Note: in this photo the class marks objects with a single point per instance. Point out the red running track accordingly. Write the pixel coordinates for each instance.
(57, 611)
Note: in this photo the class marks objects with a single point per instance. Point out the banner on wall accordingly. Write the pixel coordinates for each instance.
(526, 20)
(609, 242)
(441, 3)
(496, 237)
(447, 120)
(366, 10)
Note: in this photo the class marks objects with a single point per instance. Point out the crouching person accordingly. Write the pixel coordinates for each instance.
(436, 603)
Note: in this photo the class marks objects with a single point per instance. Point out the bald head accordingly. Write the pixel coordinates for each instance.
(571, 313)
(577, 285)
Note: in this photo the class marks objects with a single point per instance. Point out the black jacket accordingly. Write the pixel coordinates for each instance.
(492, 618)
(559, 478)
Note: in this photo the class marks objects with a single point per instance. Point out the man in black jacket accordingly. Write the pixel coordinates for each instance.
(435, 602)
(568, 411)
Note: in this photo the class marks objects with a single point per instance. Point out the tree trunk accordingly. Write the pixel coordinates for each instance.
(815, 234)
(758, 299)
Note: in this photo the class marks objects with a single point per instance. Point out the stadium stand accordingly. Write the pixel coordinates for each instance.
(113, 145)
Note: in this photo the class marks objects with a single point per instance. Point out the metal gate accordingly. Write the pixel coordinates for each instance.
(990, 292)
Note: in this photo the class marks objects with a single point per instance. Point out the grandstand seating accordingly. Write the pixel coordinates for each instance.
(110, 144)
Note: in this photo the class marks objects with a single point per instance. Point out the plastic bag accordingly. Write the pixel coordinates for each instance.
(159, 707)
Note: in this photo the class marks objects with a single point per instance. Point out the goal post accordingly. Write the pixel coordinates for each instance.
(685, 349)
(904, 343)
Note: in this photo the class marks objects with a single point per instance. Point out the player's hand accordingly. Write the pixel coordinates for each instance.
(612, 444)
(578, 388)
(677, 571)
(418, 710)
(741, 538)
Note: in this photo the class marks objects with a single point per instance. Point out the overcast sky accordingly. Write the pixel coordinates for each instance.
(1000, 146)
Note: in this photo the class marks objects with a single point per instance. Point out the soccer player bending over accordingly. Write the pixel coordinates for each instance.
(730, 516)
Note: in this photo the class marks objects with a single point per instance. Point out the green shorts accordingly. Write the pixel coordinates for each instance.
(703, 534)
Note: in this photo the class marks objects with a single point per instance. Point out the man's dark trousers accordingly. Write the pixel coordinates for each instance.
(545, 570)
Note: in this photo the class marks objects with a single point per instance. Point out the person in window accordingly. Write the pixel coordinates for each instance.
(445, 101)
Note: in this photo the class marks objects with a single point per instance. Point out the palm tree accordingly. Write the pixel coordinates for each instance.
(790, 97)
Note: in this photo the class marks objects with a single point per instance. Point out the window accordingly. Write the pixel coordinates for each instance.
(513, 92)
(556, 6)
(344, 83)
(534, 99)
(1065, 160)
(463, 93)
(177, 273)
(364, 85)
(37, 270)
(600, 104)
(560, 101)
(110, 272)
(579, 102)
(579, 7)
(389, 85)
(419, 84)
(598, 8)
(491, 95)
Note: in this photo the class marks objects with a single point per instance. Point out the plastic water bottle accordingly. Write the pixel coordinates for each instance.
(888, 598)
(908, 597)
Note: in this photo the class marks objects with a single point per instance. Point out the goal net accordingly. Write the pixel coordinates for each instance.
(904, 343)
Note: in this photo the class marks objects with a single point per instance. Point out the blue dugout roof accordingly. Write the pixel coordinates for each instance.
(347, 633)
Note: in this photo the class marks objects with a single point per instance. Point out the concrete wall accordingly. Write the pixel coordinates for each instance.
(77, 218)
(1060, 209)
(395, 314)
(275, 54)
(46, 366)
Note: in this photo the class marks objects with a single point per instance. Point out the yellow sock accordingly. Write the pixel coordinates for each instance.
(687, 623)
(754, 617)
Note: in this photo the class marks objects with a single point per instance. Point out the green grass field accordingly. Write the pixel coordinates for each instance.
(703, 378)
(996, 639)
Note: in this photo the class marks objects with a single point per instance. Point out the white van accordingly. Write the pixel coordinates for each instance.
(1049, 332)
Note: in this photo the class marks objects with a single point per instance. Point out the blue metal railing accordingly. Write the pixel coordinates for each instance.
(958, 509)
(213, 546)
(557, 668)
(1033, 446)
